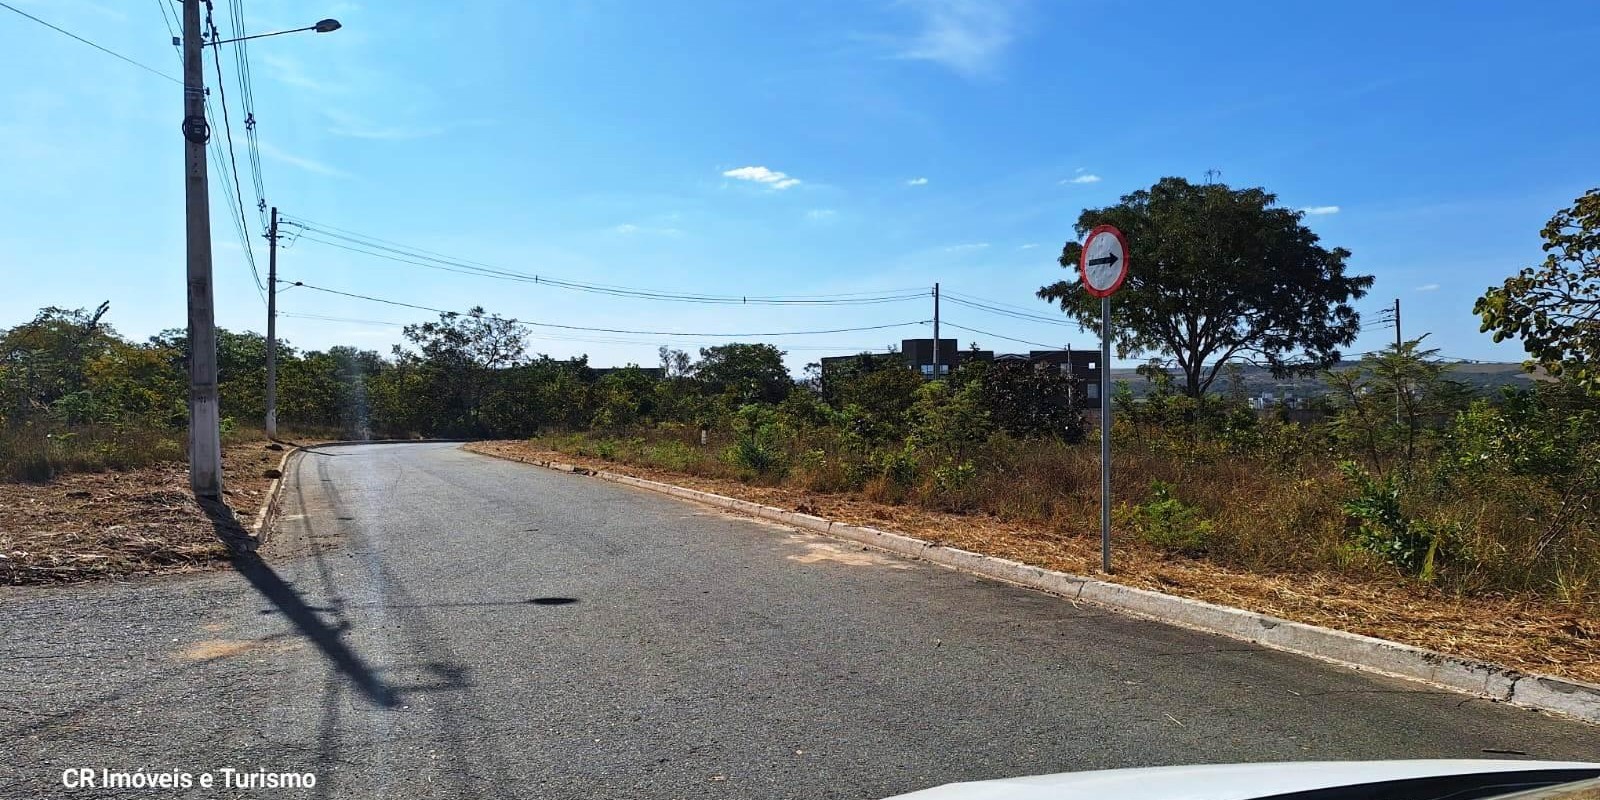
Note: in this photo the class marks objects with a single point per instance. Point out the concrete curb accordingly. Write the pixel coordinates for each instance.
(1542, 692)
(270, 508)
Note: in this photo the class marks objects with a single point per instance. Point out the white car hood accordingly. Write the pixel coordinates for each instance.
(1218, 781)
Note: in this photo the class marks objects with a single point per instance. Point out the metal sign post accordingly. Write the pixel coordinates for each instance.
(1105, 435)
(1103, 269)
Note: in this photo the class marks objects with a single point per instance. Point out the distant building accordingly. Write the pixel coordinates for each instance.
(917, 354)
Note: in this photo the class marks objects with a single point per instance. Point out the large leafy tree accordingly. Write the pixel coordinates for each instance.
(43, 360)
(745, 373)
(452, 371)
(1555, 307)
(1219, 274)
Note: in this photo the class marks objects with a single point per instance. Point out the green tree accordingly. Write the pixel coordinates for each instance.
(1219, 274)
(875, 392)
(1389, 405)
(1025, 401)
(456, 363)
(1554, 308)
(744, 373)
(43, 360)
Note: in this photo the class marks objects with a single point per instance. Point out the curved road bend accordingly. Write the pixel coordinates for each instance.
(434, 623)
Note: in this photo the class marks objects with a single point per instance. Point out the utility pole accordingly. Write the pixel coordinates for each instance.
(936, 331)
(272, 327)
(205, 435)
(1397, 342)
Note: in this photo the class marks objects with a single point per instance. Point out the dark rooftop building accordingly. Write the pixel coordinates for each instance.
(917, 354)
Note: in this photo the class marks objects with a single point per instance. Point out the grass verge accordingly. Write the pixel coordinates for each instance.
(136, 521)
(1526, 633)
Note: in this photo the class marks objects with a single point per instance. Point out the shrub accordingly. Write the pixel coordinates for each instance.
(1382, 527)
(753, 453)
(757, 449)
(1166, 522)
(671, 455)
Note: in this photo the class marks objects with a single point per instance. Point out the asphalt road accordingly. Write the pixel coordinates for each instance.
(433, 623)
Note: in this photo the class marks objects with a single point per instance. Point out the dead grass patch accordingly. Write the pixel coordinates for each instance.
(138, 521)
(1527, 634)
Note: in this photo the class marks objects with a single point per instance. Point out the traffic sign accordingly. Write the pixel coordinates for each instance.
(1104, 265)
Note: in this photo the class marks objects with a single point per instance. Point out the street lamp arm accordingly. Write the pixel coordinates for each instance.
(322, 26)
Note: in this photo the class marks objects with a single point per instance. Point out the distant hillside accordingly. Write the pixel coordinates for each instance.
(1485, 376)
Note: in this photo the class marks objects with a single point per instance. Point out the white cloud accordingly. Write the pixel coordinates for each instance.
(307, 164)
(1087, 177)
(762, 175)
(630, 229)
(961, 248)
(1428, 287)
(821, 214)
(1320, 211)
(917, 182)
(968, 36)
(1028, 246)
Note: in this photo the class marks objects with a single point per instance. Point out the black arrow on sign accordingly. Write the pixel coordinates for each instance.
(1109, 260)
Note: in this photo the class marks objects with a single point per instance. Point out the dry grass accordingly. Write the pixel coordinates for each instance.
(136, 521)
(1527, 634)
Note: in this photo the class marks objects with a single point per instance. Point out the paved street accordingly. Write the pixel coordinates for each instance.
(434, 623)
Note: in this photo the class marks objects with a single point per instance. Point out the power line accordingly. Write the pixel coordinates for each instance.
(214, 150)
(988, 301)
(582, 339)
(998, 336)
(461, 268)
(227, 127)
(235, 210)
(392, 251)
(113, 53)
(247, 103)
(172, 30)
(1012, 314)
(602, 330)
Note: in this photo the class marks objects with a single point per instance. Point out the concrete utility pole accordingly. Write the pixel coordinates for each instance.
(205, 434)
(1397, 342)
(935, 331)
(272, 326)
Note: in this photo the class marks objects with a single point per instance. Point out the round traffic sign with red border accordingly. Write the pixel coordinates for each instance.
(1104, 265)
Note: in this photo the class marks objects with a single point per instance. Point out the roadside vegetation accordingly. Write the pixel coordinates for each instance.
(1411, 476)
(1477, 496)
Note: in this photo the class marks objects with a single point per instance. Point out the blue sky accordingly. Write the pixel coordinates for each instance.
(917, 141)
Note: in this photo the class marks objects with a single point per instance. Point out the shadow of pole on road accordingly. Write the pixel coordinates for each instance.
(294, 608)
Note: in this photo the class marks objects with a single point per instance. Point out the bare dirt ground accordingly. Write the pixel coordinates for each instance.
(135, 522)
(1530, 635)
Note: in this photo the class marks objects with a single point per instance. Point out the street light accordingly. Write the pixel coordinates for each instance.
(205, 433)
(322, 26)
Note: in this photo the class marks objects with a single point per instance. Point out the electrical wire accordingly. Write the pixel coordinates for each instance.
(1040, 318)
(582, 339)
(171, 29)
(227, 127)
(998, 336)
(214, 150)
(109, 52)
(392, 251)
(247, 103)
(603, 330)
(987, 301)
